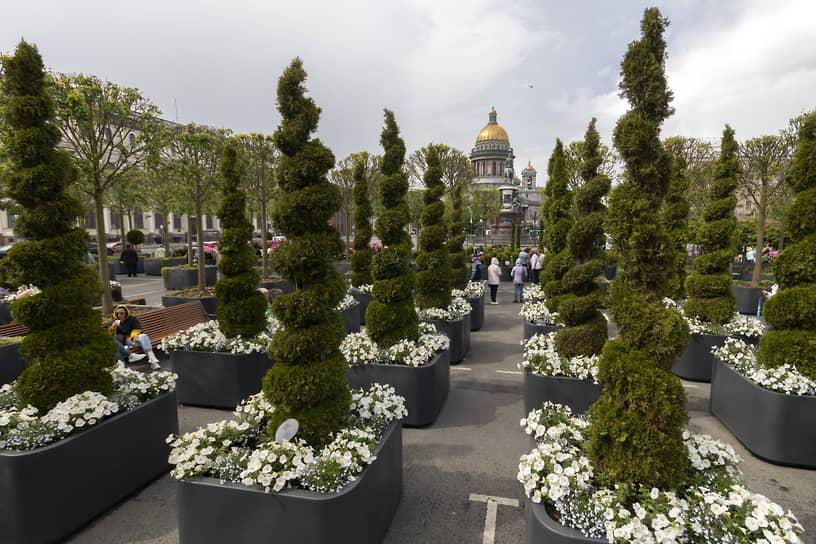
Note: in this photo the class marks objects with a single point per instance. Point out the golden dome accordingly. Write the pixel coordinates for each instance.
(492, 130)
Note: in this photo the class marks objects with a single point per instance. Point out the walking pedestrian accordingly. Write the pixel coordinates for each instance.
(493, 279)
(519, 275)
(536, 263)
(130, 258)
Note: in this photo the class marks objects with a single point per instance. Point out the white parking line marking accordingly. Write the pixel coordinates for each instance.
(508, 372)
(492, 507)
(690, 386)
(466, 369)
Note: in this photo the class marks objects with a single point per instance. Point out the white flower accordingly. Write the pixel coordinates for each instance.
(540, 357)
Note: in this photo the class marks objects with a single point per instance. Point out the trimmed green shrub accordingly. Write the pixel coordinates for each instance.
(792, 311)
(361, 258)
(456, 241)
(635, 432)
(67, 351)
(135, 237)
(556, 213)
(308, 380)
(675, 217)
(391, 316)
(241, 307)
(434, 276)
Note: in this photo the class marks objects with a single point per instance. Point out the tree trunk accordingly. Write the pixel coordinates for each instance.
(348, 233)
(264, 247)
(202, 284)
(166, 239)
(102, 254)
(189, 240)
(781, 234)
(760, 243)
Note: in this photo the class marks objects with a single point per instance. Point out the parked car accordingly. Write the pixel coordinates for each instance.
(5, 249)
(114, 247)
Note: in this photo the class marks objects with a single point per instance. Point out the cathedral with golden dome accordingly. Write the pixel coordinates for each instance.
(493, 163)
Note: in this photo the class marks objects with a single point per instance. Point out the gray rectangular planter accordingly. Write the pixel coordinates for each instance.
(140, 267)
(351, 318)
(364, 299)
(579, 395)
(152, 267)
(5, 312)
(184, 278)
(776, 427)
(425, 388)
(747, 298)
(218, 380)
(695, 363)
(11, 364)
(542, 528)
(47, 493)
(173, 261)
(458, 331)
(531, 329)
(211, 512)
(210, 304)
(283, 285)
(477, 310)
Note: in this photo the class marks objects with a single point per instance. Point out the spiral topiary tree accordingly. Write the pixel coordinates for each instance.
(67, 351)
(635, 432)
(361, 258)
(556, 212)
(433, 260)
(585, 332)
(241, 307)
(709, 287)
(391, 315)
(675, 217)
(308, 381)
(456, 241)
(792, 311)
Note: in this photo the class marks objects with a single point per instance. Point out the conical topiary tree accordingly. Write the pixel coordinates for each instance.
(709, 287)
(635, 432)
(391, 315)
(361, 258)
(308, 381)
(585, 332)
(241, 307)
(557, 214)
(675, 218)
(792, 311)
(456, 241)
(433, 260)
(67, 351)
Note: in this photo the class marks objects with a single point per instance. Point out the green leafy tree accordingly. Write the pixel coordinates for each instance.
(456, 166)
(557, 215)
(433, 260)
(261, 158)
(675, 218)
(573, 162)
(391, 315)
(241, 307)
(792, 311)
(635, 433)
(361, 258)
(416, 203)
(64, 356)
(343, 176)
(485, 205)
(456, 240)
(135, 237)
(541, 234)
(308, 381)
(709, 287)
(109, 130)
(585, 332)
(700, 156)
(160, 189)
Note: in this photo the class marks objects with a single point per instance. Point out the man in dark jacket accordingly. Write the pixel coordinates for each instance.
(130, 258)
(127, 331)
(476, 269)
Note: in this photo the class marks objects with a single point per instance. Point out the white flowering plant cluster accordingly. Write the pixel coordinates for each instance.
(21, 428)
(537, 313)
(472, 289)
(347, 302)
(458, 309)
(541, 357)
(783, 379)
(236, 450)
(114, 283)
(712, 506)
(21, 292)
(358, 348)
(364, 288)
(740, 325)
(534, 293)
(208, 337)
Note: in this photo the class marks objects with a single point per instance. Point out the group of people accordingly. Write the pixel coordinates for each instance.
(527, 267)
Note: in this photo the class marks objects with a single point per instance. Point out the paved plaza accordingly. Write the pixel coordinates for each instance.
(462, 466)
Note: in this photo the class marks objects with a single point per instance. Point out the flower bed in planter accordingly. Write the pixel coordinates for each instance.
(537, 318)
(183, 278)
(474, 294)
(11, 364)
(364, 297)
(454, 321)
(350, 309)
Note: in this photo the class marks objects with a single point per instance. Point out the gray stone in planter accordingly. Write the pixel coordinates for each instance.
(579, 395)
(458, 331)
(47, 493)
(773, 426)
(695, 363)
(152, 267)
(210, 303)
(11, 364)
(218, 380)
(5, 312)
(425, 388)
(351, 317)
(747, 298)
(184, 278)
(531, 329)
(211, 512)
(364, 299)
(476, 312)
(542, 528)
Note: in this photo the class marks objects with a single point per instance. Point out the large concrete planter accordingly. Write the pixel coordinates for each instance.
(458, 331)
(542, 528)
(218, 380)
(774, 426)
(5, 312)
(211, 512)
(425, 388)
(185, 278)
(695, 363)
(351, 317)
(210, 303)
(364, 299)
(140, 267)
(11, 364)
(477, 310)
(152, 267)
(579, 395)
(747, 298)
(47, 493)
(173, 261)
(531, 329)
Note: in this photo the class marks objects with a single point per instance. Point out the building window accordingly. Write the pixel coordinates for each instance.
(132, 140)
(208, 221)
(158, 221)
(115, 221)
(176, 222)
(90, 220)
(108, 134)
(138, 220)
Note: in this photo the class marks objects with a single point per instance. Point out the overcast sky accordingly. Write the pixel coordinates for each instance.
(547, 66)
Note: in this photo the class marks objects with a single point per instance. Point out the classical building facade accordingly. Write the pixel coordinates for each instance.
(493, 163)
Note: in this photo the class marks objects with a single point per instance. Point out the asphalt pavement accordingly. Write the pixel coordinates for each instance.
(460, 467)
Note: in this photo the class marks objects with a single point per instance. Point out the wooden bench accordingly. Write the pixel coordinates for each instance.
(14, 329)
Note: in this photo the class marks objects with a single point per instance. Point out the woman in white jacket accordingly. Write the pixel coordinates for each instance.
(493, 279)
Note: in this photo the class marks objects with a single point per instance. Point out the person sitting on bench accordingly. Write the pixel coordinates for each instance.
(127, 331)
